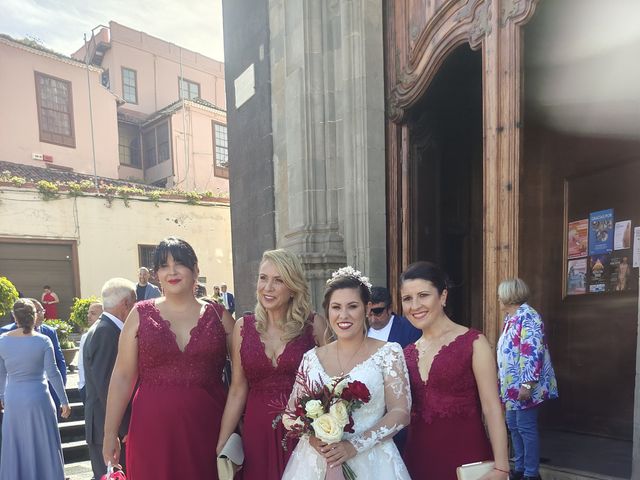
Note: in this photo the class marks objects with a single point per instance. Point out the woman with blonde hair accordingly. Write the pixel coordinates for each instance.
(266, 350)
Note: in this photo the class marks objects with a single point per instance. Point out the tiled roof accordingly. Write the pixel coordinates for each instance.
(53, 174)
(175, 106)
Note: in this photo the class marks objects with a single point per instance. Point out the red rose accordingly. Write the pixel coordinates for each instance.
(300, 411)
(356, 391)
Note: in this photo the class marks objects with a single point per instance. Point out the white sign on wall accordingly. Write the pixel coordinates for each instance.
(245, 86)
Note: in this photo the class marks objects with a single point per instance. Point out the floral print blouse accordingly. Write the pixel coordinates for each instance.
(523, 357)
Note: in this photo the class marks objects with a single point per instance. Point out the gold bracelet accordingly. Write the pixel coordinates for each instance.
(500, 470)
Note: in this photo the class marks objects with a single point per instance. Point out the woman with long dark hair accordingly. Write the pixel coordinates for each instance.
(453, 383)
(174, 348)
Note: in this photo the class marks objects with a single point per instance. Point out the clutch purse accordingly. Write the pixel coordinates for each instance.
(474, 471)
(114, 472)
(230, 458)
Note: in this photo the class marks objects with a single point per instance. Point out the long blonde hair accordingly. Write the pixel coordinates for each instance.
(292, 274)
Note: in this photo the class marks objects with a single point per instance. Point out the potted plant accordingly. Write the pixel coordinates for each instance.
(8, 296)
(63, 329)
(79, 312)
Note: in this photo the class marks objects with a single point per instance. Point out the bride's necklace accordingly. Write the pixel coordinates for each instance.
(350, 358)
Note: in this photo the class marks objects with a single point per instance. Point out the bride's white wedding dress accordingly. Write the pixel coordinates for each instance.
(375, 423)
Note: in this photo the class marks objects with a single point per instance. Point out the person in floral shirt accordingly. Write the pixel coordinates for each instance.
(525, 375)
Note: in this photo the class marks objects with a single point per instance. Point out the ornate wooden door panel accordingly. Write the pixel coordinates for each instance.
(420, 34)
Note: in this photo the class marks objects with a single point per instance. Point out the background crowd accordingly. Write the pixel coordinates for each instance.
(158, 402)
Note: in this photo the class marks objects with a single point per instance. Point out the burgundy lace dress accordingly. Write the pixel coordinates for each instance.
(176, 411)
(446, 428)
(269, 385)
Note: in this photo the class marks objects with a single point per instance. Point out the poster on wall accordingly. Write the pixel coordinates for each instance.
(598, 269)
(577, 237)
(601, 232)
(619, 272)
(636, 247)
(577, 277)
(622, 236)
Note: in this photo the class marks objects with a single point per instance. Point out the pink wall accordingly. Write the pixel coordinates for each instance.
(19, 130)
(200, 174)
(157, 64)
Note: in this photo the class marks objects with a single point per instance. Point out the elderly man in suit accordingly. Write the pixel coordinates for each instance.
(386, 325)
(144, 289)
(99, 357)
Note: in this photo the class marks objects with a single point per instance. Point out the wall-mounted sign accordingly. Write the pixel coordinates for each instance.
(577, 238)
(622, 237)
(245, 86)
(598, 268)
(601, 232)
(577, 277)
(636, 247)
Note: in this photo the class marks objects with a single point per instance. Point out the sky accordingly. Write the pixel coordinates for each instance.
(60, 24)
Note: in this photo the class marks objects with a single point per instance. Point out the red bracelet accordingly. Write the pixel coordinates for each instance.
(500, 470)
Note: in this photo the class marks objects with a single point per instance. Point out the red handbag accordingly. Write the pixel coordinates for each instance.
(114, 473)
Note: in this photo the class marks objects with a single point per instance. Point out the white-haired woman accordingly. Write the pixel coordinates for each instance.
(267, 349)
(526, 375)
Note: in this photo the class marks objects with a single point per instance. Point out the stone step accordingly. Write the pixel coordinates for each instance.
(72, 431)
(77, 451)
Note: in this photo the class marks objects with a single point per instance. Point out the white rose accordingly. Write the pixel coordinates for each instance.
(327, 428)
(314, 408)
(339, 411)
(289, 422)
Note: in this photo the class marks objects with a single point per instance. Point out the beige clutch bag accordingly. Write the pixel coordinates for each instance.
(230, 458)
(474, 471)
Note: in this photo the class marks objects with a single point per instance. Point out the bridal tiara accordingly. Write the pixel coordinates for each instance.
(351, 272)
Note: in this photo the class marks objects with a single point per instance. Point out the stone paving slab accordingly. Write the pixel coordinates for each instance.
(79, 471)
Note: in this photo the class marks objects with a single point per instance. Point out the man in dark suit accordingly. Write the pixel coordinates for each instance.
(99, 357)
(386, 325)
(53, 336)
(228, 300)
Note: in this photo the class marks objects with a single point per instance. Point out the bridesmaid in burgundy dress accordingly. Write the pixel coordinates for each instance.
(174, 347)
(267, 349)
(453, 382)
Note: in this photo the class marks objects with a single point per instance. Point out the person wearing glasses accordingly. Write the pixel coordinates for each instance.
(386, 325)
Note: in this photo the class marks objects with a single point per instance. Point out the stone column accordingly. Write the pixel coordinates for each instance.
(328, 134)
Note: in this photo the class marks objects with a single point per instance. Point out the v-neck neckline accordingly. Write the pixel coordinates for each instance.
(347, 374)
(435, 357)
(167, 324)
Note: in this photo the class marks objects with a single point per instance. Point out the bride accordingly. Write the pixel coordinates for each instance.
(370, 450)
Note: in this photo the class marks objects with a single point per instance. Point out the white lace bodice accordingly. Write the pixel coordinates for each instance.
(385, 375)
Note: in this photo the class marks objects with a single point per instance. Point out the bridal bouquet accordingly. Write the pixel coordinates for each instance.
(325, 410)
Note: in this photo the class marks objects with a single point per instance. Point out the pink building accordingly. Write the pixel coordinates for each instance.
(45, 114)
(172, 126)
(158, 110)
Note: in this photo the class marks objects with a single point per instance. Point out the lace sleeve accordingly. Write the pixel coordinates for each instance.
(397, 397)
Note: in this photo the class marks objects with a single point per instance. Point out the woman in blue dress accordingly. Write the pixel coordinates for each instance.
(31, 447)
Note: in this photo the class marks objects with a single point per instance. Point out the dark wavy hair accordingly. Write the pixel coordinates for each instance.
(179, 249)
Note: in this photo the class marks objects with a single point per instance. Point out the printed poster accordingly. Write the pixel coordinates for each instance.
(601, 232)
(620, 273)
(577, 277)
(598, 273)
(636, 247)
(622, 237)
(578, 235)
